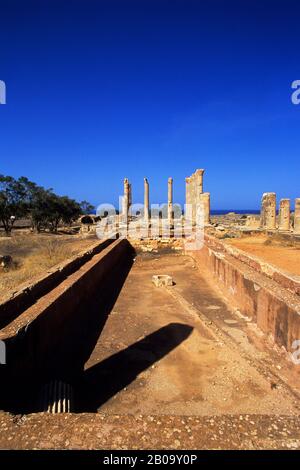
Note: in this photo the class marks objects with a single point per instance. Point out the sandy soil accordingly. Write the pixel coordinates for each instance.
(277, 253)
(33, 254)
(174, 368)
(179, 364)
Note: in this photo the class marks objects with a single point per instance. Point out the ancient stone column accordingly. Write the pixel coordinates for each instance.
(297, 216)
(284, 214)
(198, 191)
(193, 198)
(268, 211)
(188, 199)
(199, 183)
(203, 217)
(126, 200)
(130, 195)
(170, 202)
(146, 200)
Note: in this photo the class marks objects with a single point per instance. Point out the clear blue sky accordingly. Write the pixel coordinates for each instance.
(100, 90)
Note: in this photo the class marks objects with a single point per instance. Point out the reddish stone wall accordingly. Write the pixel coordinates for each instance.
(27, 294)
(275, 309)
(49, 333)
(283, 278)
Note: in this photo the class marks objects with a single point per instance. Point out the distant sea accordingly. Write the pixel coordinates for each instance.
(225, 211)
(237, 211)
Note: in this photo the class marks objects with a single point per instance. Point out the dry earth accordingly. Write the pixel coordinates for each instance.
(173, 368)
(33, 254)
(283, 254)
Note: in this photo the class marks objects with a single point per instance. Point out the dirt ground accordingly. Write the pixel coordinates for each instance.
(279, 252)
(174, 368)
(33, 254)
(179, 363)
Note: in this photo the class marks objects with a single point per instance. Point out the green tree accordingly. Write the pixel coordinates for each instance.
(12, 201)
(86, 207)
(36, 199)
(41, 208)
(61, 209)
(70, 210)
(24, 198)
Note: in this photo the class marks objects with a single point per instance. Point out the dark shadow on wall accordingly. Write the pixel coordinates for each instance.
(82, 331)
(72, 345)
(104, 380)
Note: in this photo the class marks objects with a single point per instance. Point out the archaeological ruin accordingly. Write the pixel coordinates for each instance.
(150, 340)
(196, 208)
(269, 219)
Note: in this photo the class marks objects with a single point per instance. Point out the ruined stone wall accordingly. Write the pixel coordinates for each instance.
(297, 217)
(197, 203)
(284, 215)
(37, 340)
(268, 219)
(255, 290)
(29, 293)
(268, 211)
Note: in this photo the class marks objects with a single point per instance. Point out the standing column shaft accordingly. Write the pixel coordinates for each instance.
(146, 200)
(284, 214)
(126, 200)
(203, 217)
(268, 211)
(198, 191)
(188, 199)
(170, 201)
(199, 183)
(297, 216)
(130, 195)
(194, 191)
(193, 198)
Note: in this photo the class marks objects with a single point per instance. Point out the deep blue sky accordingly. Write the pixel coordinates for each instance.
(100, 90)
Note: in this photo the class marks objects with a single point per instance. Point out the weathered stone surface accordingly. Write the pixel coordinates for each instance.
(268, 211)
(146, 200)
(170, 202)
(297, 216)
(55, 308)
(126, 199)
(160, 280)
(199, 182)
(284, 214)
(29, 292)
(188, 199)
(210, 373)
(204, 206)
(130, 195)
(257, 288)
(194, 200)
(252, 222)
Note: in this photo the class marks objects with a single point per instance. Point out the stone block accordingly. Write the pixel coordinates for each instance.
(160, 280)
